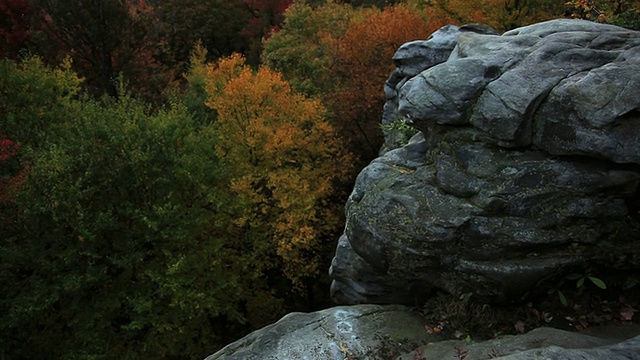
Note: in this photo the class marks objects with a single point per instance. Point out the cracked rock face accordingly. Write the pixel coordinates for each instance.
(526, 166)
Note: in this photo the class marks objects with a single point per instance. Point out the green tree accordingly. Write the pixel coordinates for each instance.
(304, 49)
(122, 243)
(195, 94)
(216, 25)
(34, 97)
(11, 177)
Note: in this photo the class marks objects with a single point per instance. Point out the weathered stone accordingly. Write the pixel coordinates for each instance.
(561, 26)
(345, 332)
(528, 168)
(601, 112)
(414, 57)
(376, 332)
(542, 343)
(497, 83)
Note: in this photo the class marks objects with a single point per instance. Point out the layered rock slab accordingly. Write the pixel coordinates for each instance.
(345, 332)
(526, 166)
(383, 332)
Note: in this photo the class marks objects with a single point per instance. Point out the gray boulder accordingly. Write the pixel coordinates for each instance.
(344, 332)
(502, 85)
(416, 56)
(383, 332)
(526, 167)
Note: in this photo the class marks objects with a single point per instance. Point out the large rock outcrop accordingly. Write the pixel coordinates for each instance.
(384, 332)
(526, 166)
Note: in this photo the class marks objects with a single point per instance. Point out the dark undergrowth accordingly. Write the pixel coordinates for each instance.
(573, 306)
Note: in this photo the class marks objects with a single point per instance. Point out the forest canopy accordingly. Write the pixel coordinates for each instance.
(173, 173)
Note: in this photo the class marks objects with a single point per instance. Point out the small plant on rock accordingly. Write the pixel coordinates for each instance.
(399, 132)
(580, 280)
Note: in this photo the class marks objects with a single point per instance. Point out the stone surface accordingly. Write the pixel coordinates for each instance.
(415, 56)
(526, 166)
(344, 332)
(542, 343)
(383, 332)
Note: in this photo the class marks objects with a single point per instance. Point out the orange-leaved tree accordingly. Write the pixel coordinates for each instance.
(364, 63)
(286, 162)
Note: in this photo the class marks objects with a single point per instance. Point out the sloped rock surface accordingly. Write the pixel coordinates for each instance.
(344, 332)
(526, 166)
(377, 332)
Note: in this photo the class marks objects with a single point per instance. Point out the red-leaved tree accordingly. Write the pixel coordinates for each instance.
(364, 62)
(15, 17)
(10, 176)
(105, 39)
(266, 18)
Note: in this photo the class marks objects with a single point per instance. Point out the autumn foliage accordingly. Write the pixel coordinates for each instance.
(267, 15)
(106, 40)
(619, 12)
(344, 55)
(502, 15)
(286, 160)
(364, 62)
(139, 224)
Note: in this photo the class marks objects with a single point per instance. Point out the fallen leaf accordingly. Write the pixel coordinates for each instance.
(584, 323)
(627, 314)
(520, 326)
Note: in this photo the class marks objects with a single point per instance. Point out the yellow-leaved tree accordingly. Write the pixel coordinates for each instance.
(286, 163)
